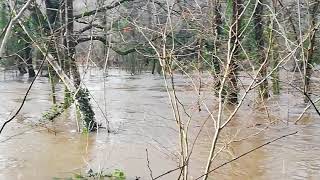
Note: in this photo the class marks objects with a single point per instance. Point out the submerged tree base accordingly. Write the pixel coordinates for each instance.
(83, 107)
(55, 111)
(87, 113)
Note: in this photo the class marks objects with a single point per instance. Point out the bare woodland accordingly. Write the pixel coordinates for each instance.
(233, 55)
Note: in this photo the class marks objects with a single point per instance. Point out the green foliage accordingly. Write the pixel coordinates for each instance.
(19, 40)
(118, 175)
(91, 175)
(3, 15)
(249, 41)
(229, 9)
(120, 24)
(54, 112)
(68, 99)
(316, 59)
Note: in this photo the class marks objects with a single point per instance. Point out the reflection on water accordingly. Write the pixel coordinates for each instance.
(138, 110)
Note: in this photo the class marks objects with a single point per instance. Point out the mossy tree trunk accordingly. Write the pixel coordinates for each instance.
(217, 28)
(52, 85)
(82, 95)
(274, 53)
(311, 48)
(67, 65)
(259, 37)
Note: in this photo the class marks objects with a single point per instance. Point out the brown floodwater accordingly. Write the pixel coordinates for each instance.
(140, 117)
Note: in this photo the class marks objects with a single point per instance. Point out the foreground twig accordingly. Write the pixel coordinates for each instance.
(148, 164)
(312, 103)
(246, 153)
(168, 172)
(315, 107)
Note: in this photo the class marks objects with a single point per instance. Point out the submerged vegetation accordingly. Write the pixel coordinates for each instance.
(115, 175)
(54, 112)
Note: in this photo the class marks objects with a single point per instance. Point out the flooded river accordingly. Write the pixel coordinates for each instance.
(140, 118)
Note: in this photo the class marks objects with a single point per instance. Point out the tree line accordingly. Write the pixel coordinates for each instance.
(224, 38)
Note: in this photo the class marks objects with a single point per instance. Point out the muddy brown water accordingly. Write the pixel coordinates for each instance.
(140, 116)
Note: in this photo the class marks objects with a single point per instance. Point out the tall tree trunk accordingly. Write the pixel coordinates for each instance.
(312, 41)
(52, 85)
(258, 24)
(154, 62)
(217, 28)
(67, 100)
(237, 9)
(106, 46)
(274, 55)
(52, 7)
(28, 56)
(213, 48)
(82, 95)
(21, 67)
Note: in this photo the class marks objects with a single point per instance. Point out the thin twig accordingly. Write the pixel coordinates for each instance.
(148, 164)
(168, 172)
(246, 153)
(315, 107)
